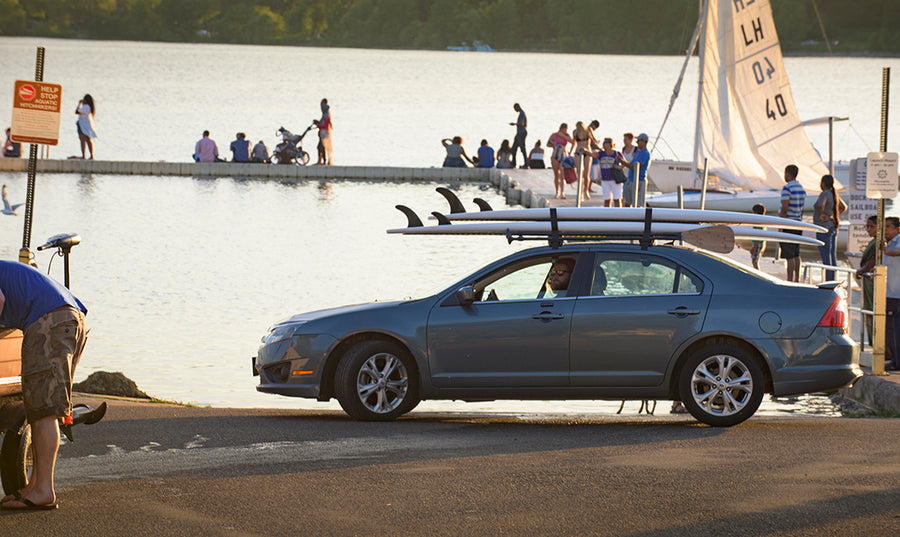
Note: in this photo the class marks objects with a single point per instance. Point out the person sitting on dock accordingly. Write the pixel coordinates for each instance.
(10, 148)
(455, 153)
(240, 148)
(260, 153)
(485, 156)
(536, 157)
(206, 149)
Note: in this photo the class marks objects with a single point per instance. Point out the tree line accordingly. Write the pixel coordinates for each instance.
(581, 26)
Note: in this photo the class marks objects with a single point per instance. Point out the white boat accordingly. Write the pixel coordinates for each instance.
(747, 127)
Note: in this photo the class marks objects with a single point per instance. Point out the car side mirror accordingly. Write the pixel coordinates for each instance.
(465, 295)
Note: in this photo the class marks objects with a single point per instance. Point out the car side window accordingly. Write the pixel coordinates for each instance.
(545, 277)
(630, 274)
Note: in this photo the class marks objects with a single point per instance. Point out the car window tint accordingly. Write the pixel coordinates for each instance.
(627, 274)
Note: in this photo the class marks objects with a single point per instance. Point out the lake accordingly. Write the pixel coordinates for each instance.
(182, 276)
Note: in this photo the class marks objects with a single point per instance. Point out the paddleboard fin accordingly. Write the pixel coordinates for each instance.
(411, 217)
(456, 206)
(483, 205)
(442, 220)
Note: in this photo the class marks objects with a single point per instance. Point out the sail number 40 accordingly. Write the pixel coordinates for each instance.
(761, 73)
(780, 107)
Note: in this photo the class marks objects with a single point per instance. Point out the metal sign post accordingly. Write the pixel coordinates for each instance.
(880, 270)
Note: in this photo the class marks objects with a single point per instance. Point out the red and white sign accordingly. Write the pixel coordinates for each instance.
(27, 92)
(35, 114)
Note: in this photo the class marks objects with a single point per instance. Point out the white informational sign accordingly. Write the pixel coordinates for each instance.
(881, 176)
(35, 114)
(859, 207)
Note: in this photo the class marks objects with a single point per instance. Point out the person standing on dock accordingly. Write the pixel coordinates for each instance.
(325, 127)
(85, 124)
(892, 306)
(793, 197)
(636, 190)
(206, 149)
(521, 132)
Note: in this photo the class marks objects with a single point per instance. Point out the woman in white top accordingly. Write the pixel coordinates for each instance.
(86, 133)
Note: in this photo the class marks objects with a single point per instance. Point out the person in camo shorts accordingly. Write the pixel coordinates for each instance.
(52, 320)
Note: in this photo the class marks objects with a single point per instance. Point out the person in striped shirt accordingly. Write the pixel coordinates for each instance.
(793, 197)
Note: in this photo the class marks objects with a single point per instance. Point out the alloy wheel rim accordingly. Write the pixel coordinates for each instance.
(721, 385)
(382, 382)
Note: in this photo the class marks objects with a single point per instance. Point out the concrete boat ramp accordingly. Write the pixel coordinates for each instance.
(528, 188)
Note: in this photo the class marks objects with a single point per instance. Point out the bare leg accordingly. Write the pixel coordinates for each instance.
(44, 446)
(82, 138)
(793, 269)
(90, 144)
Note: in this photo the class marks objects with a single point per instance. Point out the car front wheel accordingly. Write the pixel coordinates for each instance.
(721, 385)
(374, 381)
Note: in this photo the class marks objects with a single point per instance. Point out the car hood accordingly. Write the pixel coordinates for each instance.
(343, 310)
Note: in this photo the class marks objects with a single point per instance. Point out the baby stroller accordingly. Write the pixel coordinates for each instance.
(289, 151)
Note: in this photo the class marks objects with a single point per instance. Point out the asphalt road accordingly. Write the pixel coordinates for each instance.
(153, 469)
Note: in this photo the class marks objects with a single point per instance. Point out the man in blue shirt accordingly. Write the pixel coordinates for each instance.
(521, 132)
(52, 321)
(240, 148)
(793, 197)
(642, 157)
(485, 155)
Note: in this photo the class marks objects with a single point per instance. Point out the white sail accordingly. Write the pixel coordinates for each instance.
(749, 129)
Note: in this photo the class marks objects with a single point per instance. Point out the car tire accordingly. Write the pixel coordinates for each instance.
(15, 457)
(375, 381)
(721, 385)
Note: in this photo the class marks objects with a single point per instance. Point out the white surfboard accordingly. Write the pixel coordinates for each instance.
(630, 214)
(604, 228)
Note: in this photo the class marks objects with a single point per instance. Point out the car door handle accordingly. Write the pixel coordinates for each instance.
(546, 316)
(681, 310)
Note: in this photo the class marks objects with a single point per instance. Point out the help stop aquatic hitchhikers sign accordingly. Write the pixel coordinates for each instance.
(35, 115)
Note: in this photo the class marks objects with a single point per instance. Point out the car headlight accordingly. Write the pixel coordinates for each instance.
(279, 333)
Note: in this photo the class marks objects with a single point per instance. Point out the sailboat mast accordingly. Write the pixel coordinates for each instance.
(704, 10)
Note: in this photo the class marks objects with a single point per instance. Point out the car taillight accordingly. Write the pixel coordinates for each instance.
(837, 315)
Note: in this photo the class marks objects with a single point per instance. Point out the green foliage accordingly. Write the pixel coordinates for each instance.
(588, 26)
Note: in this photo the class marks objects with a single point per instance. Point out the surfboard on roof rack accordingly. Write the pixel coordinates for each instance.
(716, 238)
(620, 214)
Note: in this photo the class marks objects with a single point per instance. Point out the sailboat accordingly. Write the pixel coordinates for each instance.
(747, 127)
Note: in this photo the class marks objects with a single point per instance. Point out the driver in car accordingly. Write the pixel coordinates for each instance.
(560, 274)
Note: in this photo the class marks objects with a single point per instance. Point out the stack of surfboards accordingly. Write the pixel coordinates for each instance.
(711, 230)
